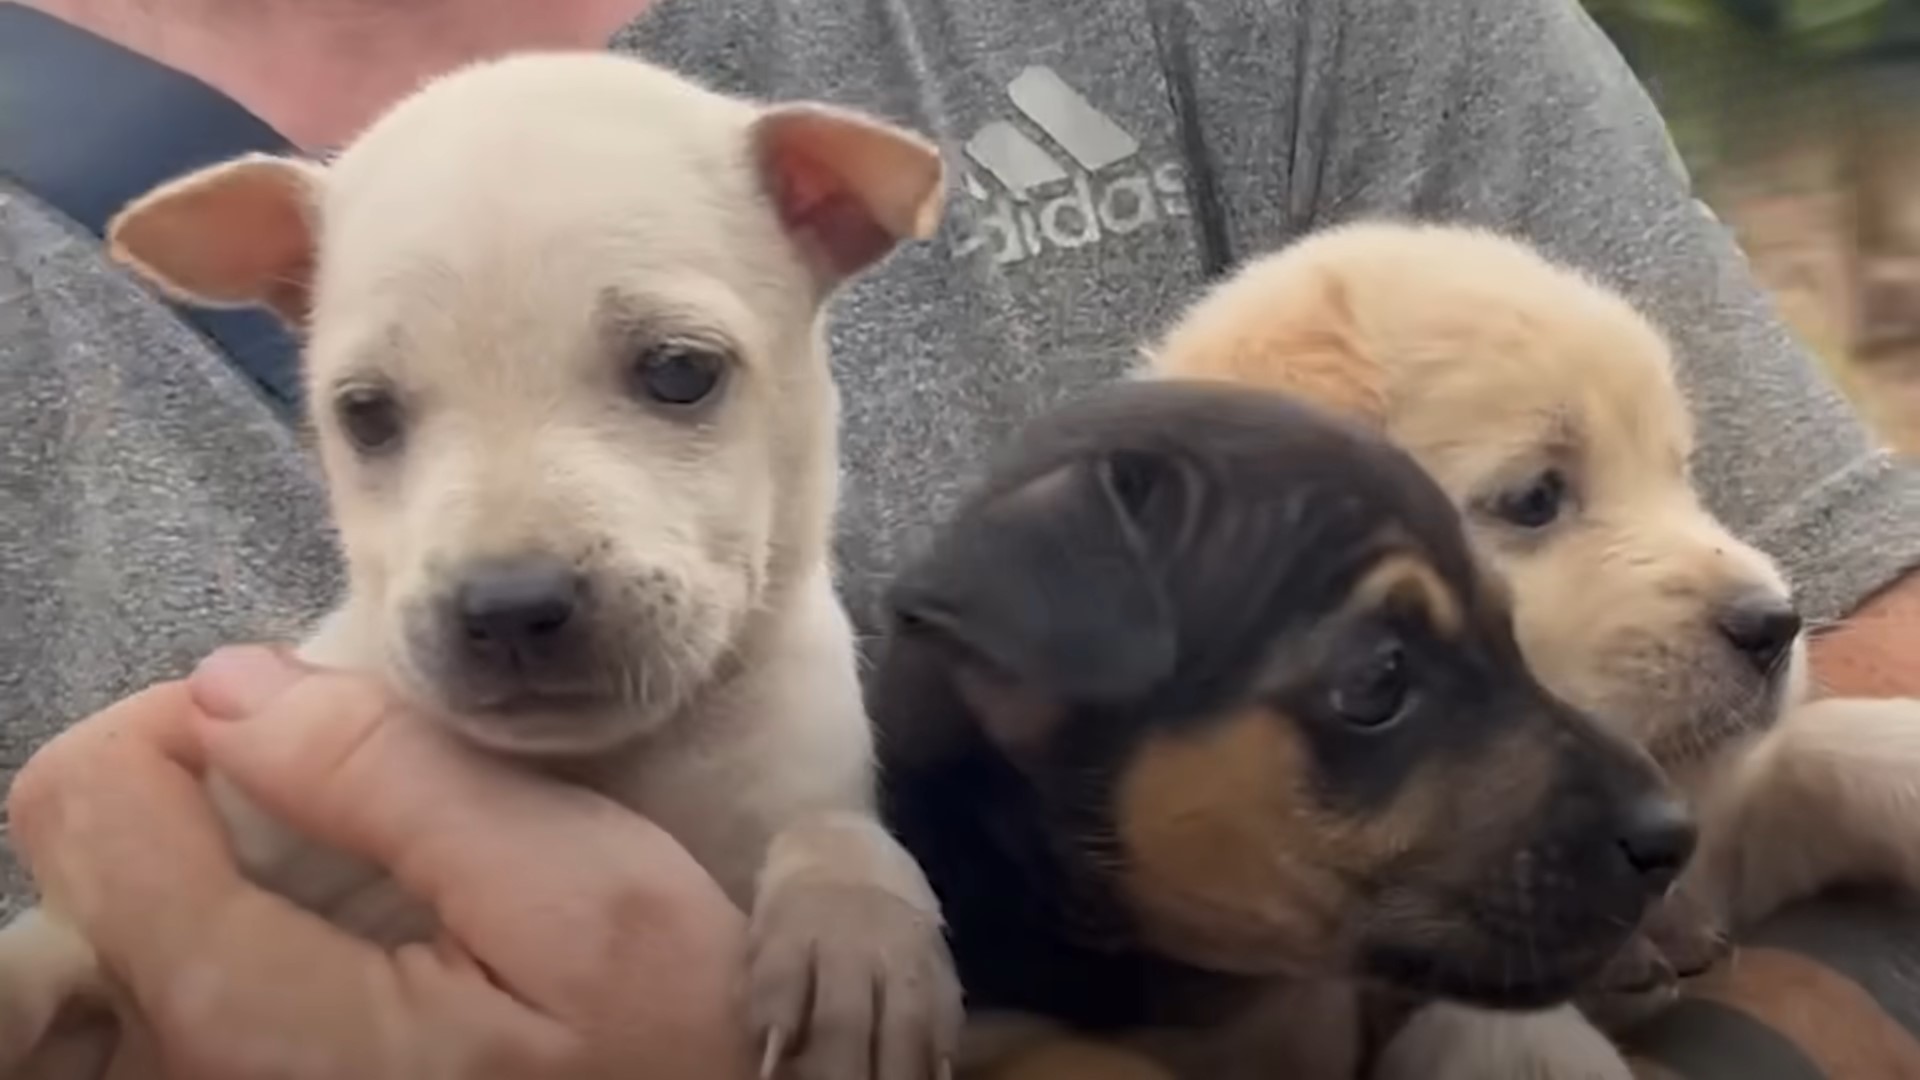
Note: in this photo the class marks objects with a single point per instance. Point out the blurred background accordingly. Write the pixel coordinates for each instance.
(1800, 120)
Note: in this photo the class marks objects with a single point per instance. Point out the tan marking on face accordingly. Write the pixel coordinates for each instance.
(1221, 842)
(1232, 862)
(1463, 826)
(1401, 576)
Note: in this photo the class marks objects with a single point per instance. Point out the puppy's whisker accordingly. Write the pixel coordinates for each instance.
(1816, 626)
(632, 685)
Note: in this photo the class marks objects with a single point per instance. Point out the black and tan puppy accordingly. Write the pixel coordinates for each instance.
(1201, 718)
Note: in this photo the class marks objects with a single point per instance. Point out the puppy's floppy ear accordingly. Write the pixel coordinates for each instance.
(847, 187)
(1054, 585)
(236, 234)
(1296, 335)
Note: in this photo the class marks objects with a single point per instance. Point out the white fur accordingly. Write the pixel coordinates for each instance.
(494, 253)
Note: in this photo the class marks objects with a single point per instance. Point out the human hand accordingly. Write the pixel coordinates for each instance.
(580, 940)
(1869, 654)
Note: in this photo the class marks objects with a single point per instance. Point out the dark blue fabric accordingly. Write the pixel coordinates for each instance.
(86, 126)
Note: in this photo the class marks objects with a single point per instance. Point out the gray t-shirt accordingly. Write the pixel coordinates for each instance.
(1110, 157)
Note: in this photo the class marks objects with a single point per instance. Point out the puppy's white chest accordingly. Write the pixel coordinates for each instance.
(790, 741)
(706, 802)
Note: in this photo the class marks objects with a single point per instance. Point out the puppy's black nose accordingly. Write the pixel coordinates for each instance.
(513, 607)
(1762, 625)
(1657, 837)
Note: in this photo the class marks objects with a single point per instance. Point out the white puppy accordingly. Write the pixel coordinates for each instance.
(566, 368)
(1547, 407)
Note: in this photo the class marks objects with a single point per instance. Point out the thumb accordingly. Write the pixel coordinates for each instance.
(494, 851)
(341, 760)
(337, 757)
(238, 682)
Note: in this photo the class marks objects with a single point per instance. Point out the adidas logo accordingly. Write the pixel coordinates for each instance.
(1039, 202)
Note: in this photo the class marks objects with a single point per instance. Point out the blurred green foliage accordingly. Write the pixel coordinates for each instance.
(1813, 28)
(1739, 79)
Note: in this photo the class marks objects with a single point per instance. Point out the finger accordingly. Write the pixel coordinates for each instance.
(268, 989)
(143, 871)
(116, 826)
(82, 1046)
(153, 725)
(160, 715)
(504, 857)
(112, 821)
(277, 991)
(133, 1046)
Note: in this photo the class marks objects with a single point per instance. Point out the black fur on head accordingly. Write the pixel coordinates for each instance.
(1202, 688)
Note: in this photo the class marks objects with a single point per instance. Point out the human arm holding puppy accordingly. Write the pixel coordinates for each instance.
(641, 982)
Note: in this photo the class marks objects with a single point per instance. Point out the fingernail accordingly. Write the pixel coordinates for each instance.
(238, 681)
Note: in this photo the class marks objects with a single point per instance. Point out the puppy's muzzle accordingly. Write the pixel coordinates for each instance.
(1612, 838)
(1613, 835)
(518, 614)
(1546, 904)
(516, 628)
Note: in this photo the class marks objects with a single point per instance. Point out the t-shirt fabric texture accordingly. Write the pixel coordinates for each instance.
(1108, 158)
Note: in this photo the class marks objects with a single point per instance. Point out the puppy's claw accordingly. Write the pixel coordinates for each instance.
(1687, 936)
(770, 1057)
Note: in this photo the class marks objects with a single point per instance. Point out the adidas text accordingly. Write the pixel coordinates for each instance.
(1089, 210)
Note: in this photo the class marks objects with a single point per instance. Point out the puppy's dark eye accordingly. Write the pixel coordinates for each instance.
(1538, 504)
(678, 373)
(1374, 694)
(371, 418)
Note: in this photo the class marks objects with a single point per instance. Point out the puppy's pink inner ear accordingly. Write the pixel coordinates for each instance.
(846, 187)
(236, 233)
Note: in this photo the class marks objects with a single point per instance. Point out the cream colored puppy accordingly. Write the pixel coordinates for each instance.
(567, 373)
(1547, 407)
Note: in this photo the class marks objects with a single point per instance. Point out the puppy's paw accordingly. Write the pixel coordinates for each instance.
(1687, 936)
(1680, 939)
(1637, 984)
(1640, 967)
(850, 982)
